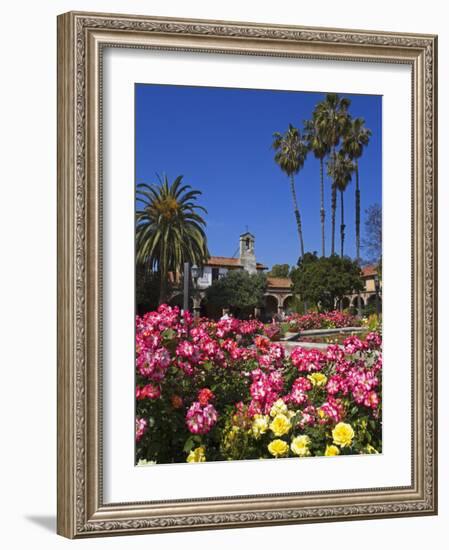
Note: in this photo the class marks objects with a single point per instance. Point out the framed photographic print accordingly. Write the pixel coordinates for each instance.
(246, 274)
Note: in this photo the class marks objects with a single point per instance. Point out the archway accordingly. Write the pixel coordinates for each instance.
(271, 306)
(354, 302)
(209, 310)
(288, 305)
(372, 304)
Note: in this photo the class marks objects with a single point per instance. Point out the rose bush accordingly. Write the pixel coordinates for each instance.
(316, 320)
(222, 390)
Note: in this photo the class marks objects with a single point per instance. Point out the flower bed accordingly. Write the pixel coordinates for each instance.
(331, 339)
(315, 320)
(221, 390)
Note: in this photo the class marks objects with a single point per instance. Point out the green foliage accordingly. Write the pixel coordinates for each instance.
(374, 323)
(279, 270)
(295, 304)
(317, 144)
(322, 281)
(340, 169)
(236, 443)
(331, 118)
(371, 309)
(356, 138)
(331, 122)
(147, 289)
(238, 289)
(291, 150)
(169, 228)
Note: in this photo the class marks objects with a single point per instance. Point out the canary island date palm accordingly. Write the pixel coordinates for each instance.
(341, 169)
(291, 152)
(331, 118)
(355, 140)
(169, 228)
(320, 149)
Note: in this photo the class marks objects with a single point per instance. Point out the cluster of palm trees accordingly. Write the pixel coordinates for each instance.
(337, 140)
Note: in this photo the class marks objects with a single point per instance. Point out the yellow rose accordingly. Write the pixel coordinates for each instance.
(300, 445)
(279, 407)
(318, 379)
(278, 448)
(280, 425)
(343, 434)
(331, 450)
(260, 425)
(197, 455)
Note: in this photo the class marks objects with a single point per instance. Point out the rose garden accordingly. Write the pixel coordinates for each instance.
(237, 362)
(223, 390)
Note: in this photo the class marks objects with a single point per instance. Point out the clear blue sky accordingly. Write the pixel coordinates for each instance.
(220, 139)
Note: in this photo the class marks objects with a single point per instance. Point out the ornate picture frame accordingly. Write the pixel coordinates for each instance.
(82, 38)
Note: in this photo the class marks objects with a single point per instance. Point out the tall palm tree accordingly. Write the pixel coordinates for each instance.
(332, 119)
(354, 141)
(169, 228)
(320, 149)
(341, 169)
(291, 152)
(356, 138)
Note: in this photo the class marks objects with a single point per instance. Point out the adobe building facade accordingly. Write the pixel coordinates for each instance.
(278, 293)
(278, 296)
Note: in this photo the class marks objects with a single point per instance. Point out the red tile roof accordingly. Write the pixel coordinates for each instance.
(222, 261)
(369, 271)
(279, 282)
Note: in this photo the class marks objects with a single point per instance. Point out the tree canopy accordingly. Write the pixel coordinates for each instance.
(279, 270)
(291, 152)
(147, 289)
(323, 281)
(169, 228)
(238, 289)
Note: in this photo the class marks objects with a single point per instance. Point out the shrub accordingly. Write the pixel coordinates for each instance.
(316, 320)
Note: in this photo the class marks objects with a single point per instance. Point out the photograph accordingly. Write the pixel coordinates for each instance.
(258, 274)
(247, 273)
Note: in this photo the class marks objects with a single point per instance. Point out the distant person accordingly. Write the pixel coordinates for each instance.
(226, 315)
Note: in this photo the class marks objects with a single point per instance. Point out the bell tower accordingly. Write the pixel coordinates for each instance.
(247, 253)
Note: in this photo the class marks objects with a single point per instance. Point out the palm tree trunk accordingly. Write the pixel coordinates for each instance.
(163, 272)
(162, 287)
(297, 214)
(342, 234)
(322, 211)
(342, 225)
(357, 229)
(333, 206)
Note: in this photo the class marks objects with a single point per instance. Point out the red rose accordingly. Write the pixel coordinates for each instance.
(204, 396)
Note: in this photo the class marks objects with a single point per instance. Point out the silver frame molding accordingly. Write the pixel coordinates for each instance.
(81, 39)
